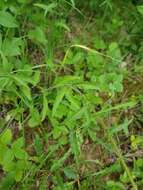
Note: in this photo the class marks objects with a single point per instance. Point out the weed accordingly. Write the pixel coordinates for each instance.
(71, 95)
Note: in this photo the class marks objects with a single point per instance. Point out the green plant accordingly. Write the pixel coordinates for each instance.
(70, 95)
(13, 158)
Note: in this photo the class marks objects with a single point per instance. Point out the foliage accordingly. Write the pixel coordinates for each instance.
(71, 94)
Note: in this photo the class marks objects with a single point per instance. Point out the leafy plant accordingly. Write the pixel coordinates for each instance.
(13, 157)
(71, 94)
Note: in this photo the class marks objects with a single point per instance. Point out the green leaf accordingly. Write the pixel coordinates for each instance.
(38, 145)
(73, 3)
(45, 108)
(7, 66)
(8, 160)
(112, 185)
(99, 43)
(18, 175)
(17, 149)
(35, 118)
(23, 1)
(37, 35)
(92, 135)
(19, 143)
(62, 24)
(19, 81)
(58, 130)
(20, 154)
(46, 8)
(11, 47)
(36, 78)
(62, 111)
(72, 100)
(7, 20)
(69, 172)
(20, 167)
(88, 86)
(60, 95)
(26, 91)
(75, 146)
(0, 40)
(6, 137)
(67, 80)
(2, 123)
(58, 163)
(121, 127)
(23, 86)
(140, 9)
(3, 149)
(8, 181)
(114, 52)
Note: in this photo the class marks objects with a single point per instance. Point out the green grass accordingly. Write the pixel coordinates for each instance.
(71, 95)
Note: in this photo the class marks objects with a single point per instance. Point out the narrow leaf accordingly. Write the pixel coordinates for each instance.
(45, 108)
(60, 94)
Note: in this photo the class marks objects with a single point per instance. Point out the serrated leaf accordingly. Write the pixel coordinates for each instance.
(7, 20)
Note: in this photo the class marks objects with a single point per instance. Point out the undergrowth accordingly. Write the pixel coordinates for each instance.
(71, 95)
